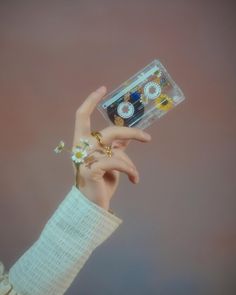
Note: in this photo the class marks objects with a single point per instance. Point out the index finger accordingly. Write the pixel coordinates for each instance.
(91, 101)
(83, 113)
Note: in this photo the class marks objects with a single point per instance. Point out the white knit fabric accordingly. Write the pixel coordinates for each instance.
(50, 265)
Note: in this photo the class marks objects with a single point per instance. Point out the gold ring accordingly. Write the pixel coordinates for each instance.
(107, 148)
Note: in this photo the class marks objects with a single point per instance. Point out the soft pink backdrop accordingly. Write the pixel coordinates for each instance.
(179, 230)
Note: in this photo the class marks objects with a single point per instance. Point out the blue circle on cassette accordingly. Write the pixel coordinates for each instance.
(135, 96)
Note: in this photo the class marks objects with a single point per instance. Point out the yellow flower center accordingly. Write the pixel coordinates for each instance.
(79, 155)
(164, 101)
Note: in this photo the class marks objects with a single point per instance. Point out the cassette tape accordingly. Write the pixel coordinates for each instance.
(143, 98)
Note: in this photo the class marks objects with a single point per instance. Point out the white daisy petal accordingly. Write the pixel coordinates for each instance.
(85, 142)
(57, 150)
(59, 147)
(79, 155)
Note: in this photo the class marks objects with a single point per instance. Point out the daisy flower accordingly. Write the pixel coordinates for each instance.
(79, 154)
(85, 142)
(59, 147)
(164, 102)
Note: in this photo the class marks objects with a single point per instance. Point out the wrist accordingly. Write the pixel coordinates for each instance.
(99, 202)
(104, 205)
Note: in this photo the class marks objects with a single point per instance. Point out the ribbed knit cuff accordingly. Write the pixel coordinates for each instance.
(76, 228)
(112, 218)
(102, 223)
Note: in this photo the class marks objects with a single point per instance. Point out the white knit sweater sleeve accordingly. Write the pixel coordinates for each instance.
(50, 265)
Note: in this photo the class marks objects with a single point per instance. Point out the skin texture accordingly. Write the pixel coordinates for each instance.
(98, 178)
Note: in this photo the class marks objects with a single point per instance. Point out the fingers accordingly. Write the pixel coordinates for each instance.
(91, 101)
(104, 165)
(124, 133)
(82, 122)
(121, 144)
(122, 155)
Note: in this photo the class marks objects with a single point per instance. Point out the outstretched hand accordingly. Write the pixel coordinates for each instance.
(99, 179)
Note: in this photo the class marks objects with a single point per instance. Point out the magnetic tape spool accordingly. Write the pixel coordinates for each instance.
(127, 111)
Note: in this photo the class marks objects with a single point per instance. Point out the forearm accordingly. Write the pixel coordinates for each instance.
(76, 228)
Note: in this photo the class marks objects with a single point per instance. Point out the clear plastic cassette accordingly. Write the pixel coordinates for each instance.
(143, 98)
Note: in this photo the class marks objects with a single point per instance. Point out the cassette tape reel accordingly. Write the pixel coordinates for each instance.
(143, 98)
(127, 110)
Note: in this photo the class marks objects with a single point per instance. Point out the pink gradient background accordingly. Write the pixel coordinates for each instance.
(179, 230)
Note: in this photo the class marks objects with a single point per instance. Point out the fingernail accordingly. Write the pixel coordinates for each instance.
(147, 135)
(101, 89)
(137, 175)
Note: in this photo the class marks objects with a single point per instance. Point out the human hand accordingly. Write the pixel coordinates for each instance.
(98, 178)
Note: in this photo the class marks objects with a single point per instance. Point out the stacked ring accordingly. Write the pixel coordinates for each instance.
(107, 148)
